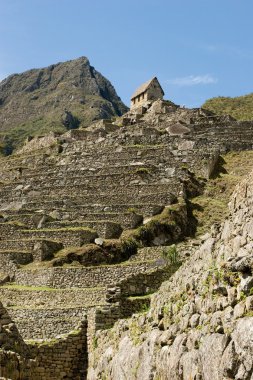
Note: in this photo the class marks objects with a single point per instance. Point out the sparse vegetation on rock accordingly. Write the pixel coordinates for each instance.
(239, 107)
(57, 98)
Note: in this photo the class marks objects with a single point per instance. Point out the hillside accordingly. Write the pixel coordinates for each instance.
(241, 107)
(115, 259)
(200, 322)
(56, 98)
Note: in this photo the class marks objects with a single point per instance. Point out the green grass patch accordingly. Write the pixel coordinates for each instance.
(63, 229)
(30, 288)
(241, 107)
(145, 297)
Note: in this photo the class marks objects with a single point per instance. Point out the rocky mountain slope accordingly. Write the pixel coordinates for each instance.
(240, 107)
(200, 323)
(56, 98)
(94, 221)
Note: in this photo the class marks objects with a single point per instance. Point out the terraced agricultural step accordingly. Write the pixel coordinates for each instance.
(40, 249)
(123, 152)
(123, 163)
(104, 228)
(84, 277)
(71, 171)
(127, 173)
(107, 180)
(10, 229)
(69, 237)
(68, 205)
(46, 323)
(126, 220)
(28, 219)
(172, 185)
(12, 258)
(149, 253)
(163, 197)
(90, 162)
(104, 223)
(15, 296)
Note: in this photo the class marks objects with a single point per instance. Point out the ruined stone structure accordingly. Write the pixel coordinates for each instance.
(147, 92)
(200, 324)
(84, 220)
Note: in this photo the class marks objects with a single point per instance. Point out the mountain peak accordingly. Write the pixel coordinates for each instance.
(34, 102)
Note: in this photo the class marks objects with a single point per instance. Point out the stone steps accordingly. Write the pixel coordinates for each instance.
(30, 220)
(160, 197)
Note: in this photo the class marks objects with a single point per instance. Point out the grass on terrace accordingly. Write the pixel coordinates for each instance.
(76, 265)
(212, 205)
(47, 288)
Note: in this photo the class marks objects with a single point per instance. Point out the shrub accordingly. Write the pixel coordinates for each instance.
(129, 248)
(170, 254)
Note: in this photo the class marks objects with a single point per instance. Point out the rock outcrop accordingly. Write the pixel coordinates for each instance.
(56, 98)
(200, 323)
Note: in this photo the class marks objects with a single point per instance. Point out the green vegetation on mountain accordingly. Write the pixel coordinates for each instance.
(57, 98)
(241, 107)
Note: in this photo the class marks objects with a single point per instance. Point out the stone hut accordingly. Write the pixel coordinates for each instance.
(149, 91)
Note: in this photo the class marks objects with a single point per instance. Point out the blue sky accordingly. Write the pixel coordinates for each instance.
(197, 48)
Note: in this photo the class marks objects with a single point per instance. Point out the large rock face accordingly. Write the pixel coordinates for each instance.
(64, 95)
(200, 325)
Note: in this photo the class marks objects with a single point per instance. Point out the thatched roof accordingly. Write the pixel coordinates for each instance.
(140, 90)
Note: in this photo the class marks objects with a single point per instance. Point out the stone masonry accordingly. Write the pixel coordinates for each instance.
(96, 191)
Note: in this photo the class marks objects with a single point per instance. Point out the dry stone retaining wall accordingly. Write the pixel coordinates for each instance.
(37, 298)
(157, 149)
(57, 359)
(47, 323)
(81, 277)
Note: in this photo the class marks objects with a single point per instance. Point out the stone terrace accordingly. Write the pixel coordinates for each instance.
(98, 183)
